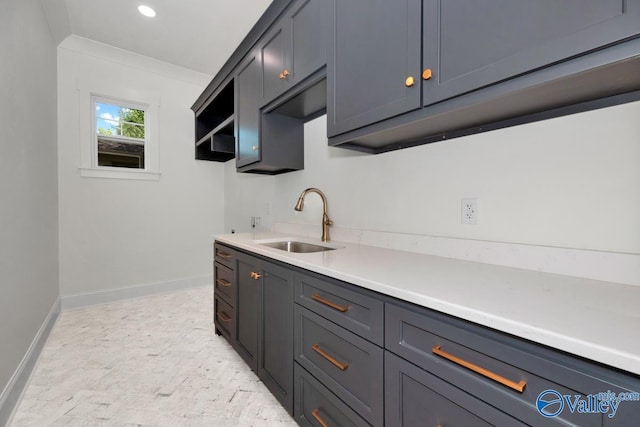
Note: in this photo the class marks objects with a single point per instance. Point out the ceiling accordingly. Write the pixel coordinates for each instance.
(196, 34)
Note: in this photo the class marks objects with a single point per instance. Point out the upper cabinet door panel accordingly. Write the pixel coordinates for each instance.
(471, 44)
(247, 114)
(309, 26)
(375, 47)
(274, 53)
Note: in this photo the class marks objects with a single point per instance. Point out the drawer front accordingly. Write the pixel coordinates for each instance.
(224, 255)
(507, 373)
(315, 404)
(224, 318)
(359, 313)
(347, 364)
(225, 283)
(413, 397)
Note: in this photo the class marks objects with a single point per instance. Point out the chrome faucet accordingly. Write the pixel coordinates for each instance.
(326, 222)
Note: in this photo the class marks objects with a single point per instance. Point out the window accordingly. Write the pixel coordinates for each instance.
(120, 134)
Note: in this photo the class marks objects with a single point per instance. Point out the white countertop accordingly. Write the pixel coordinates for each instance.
(593, 319)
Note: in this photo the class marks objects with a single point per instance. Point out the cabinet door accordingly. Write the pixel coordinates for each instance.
(275, 52)
(308, 24)
(375, 47)
(471, 44)
(414, 397)
(247, 131)
(276, 361)
(248, 310)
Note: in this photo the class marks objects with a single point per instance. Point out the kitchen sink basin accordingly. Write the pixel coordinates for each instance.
(297, 247)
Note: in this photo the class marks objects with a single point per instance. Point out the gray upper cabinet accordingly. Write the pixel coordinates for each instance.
(468, 45)
(374, 53)
(295, 48)
(247, 123)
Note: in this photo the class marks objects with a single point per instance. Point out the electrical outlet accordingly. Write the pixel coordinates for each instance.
(469, 211)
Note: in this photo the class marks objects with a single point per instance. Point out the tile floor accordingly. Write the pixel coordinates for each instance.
(152, 361)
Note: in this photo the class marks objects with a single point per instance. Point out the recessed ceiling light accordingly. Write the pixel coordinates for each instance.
(146, 11)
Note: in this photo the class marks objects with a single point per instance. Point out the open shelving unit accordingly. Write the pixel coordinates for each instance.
(215, 127)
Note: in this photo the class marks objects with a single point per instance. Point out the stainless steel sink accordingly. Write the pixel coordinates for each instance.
(297, 247)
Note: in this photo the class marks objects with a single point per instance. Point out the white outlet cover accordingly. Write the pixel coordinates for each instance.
(469, 211)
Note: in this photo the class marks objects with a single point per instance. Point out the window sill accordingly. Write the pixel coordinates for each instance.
(118, 173)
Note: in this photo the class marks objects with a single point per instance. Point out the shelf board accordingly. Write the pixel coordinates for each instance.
(225, 128)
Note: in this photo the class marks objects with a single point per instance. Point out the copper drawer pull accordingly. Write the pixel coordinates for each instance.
(223, 317)
(519, 387)
(224, 255)
(340, 308)
(255, 276)
(223, 282)
(321, 352)
(316, 414)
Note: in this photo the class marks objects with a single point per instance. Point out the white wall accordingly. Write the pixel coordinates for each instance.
(28, 182)
(571, 182)
(117, 233)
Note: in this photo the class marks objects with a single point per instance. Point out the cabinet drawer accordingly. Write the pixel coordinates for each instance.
(225, 283)
(416, 398)
(353, 310)
(224, 255)
(506, 372)
(224, 318)
(347, 364)
(315, 404)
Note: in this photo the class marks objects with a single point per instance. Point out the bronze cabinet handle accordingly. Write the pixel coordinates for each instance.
(224, 255)
(255, 276)
(333, 361)
(340, 308)
(223, 282)
(519, 387)
(223, 317)
(427, 74)
(410, 81)
(316, 414)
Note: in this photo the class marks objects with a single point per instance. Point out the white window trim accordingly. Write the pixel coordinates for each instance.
(88, 139)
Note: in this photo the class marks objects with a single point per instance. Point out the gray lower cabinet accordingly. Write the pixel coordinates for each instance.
(265, 324)
(335, 354)
(316, 405)
(414, 397)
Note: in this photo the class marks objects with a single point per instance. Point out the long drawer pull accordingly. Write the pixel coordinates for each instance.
(223, 282)
(224, 255)
(224, 317)
(519, 387)
(321, 352)
(316, 414)
(340, 308)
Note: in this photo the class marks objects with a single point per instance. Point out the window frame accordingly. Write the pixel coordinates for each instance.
(95, 99)
(116, 93)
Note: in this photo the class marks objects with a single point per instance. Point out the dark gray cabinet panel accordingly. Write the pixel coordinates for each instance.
(295, 48)
(343, 305)
(375, 47)
(413, 397)
(315, 404)
(276, 353)
(349, 365)
(225, 283)
(430, 340)
(469, 45)
(248, 311)
(224, 319)
(247, 123)
(275, 58)
(224, 255)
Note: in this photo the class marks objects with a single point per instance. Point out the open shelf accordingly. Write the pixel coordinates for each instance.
(214, 126)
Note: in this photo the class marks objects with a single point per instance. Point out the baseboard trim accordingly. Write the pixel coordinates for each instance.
(12, 393)
(72, 302)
